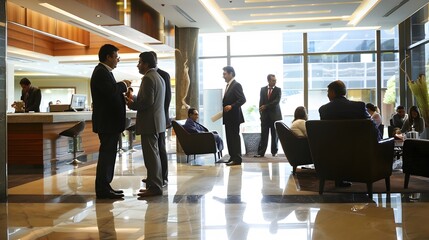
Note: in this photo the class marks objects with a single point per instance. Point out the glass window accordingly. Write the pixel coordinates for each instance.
(389, 39)
(357, 71)
(250, 43)
(420, 25)
(341, 41)
(55, 95)
(212, 45)
(292, 42)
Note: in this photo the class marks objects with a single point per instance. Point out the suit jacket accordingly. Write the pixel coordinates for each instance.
(234, 96)
(32, 102)
(149, 104)
(194, 127)
(272, 107)
(342, 108)
(166, 77)
(108, 115)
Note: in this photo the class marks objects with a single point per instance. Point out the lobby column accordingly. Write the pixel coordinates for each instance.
(187, 87)
(3, 100)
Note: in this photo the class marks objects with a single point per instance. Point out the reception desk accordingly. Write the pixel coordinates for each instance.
(32, 138)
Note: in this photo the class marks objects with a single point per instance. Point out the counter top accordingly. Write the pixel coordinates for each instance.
(54, 117)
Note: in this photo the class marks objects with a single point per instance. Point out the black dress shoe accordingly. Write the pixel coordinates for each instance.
(116, 191)
(149, 193)
(164, 183)
(144, 180)
(233, 163)
(110, 195)
(258, 156)
(343, 184)
(274, 154)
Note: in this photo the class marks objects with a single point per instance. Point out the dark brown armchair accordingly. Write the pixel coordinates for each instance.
(349, 150)
(195, 143)
(295, 148)
(415, 159)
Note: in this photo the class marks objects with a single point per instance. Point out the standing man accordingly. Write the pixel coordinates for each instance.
(339, 107)
(232, 115)
(30, 95)
(161, 138)
(269, 108)
(108, 118)
(150, 121)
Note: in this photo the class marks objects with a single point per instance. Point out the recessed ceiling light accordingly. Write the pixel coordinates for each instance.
(98, 15)
(290, 25)
(325, 24)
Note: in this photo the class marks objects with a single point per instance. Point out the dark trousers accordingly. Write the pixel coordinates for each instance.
(106, 162)
(163, 156)
(233, 141)
(266, 127)
(151, 160)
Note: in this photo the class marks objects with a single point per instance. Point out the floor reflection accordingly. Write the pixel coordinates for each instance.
(258, 200)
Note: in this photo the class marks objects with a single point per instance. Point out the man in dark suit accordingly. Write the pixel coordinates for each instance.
(150, 121)
(269, 109)
(161, 138)
(30, 95)
(108, 118)
(340, 107)
(192, 126)
(232, 115)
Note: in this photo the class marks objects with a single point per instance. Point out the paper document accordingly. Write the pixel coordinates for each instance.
(217, 116)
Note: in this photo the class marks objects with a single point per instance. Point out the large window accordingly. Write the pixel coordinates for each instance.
(350, 56)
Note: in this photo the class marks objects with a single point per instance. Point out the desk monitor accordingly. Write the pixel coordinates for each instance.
(59, 107)
(78, 102)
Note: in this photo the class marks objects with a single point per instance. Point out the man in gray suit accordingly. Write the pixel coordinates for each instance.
(150, 121)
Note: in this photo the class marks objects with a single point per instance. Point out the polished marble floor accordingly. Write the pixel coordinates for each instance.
(203, 200)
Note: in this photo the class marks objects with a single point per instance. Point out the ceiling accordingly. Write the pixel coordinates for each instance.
(294, 15)
(235, 16)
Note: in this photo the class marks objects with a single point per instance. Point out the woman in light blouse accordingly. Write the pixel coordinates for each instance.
(298, 123)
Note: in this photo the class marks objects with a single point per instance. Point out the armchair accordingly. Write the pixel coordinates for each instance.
(295, 148)
(349, 150)
(415, 159)
(195, 143)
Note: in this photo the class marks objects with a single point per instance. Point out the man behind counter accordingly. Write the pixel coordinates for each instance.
(30, 95)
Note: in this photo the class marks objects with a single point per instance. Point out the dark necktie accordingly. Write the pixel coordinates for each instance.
(270, 90)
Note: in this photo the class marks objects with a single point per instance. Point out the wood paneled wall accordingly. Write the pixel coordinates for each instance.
(20, 33)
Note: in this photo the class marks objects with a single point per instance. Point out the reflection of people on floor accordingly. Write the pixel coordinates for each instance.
(155, 219)
(105, 219)
(270, 190)
(234, 209)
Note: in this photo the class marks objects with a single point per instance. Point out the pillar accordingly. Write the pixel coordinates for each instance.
(187, 87)
(3, 106)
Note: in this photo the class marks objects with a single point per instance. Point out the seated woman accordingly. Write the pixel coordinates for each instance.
(373, 112)
(298, 123)
(192, 126)
(414, 121)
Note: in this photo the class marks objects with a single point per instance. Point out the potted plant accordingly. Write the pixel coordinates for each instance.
(251, 129)
(419, 89)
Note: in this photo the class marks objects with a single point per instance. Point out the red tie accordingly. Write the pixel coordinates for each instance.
(270, 90)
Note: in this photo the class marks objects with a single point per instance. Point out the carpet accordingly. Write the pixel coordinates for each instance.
(265, 159)
(306, 180)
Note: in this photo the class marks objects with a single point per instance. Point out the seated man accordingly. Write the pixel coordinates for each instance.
(339, 107)
(399, 117)
(192, 126)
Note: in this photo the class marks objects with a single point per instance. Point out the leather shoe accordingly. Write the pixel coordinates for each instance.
(274, 154)
(164, 183)
(110, 195)
(116, 191)
(144, 180)
(149, 193)
(233, 163)
(258, 156)
(343, 184)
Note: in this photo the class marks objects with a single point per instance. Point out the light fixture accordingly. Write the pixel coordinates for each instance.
(364, 8)
(214, 10)
(88, 24)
